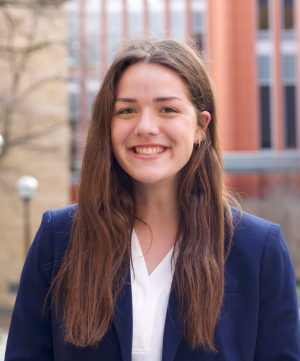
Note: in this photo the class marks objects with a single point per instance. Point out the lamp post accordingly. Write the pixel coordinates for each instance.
(1, 144)
(26, 188)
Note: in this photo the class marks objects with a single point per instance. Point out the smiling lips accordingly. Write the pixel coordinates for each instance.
(148, 150)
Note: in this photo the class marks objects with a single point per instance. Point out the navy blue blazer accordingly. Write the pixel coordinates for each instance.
(259, 319)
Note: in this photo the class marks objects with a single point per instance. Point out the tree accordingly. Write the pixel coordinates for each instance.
(33, 121)
(22, 22)
(31, 3)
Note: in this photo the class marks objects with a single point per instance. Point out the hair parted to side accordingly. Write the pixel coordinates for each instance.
(96, 263)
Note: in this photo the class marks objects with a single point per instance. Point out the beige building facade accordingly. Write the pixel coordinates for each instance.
(34, 124)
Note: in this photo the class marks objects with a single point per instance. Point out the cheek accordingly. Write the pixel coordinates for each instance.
(115, 134)
(115, 143)
(188, 151)
(119, 135)
(120, 130)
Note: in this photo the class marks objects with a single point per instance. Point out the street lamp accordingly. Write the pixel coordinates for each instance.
(26, 188)
(1, 144)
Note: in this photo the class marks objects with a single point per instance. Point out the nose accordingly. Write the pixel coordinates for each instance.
(146, 125)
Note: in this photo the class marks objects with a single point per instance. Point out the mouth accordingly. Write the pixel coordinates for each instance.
(149, 150)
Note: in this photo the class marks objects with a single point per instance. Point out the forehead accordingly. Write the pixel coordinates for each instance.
(152, 78)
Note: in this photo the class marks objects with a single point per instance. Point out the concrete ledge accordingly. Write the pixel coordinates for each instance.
(262, 161)
(265, 161)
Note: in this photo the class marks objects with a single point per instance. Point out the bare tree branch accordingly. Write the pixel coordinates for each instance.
(42, 148)
(33, 87)
(31, 49)
(34, 135)
(31, 3)
(21, 40)
(17, 73)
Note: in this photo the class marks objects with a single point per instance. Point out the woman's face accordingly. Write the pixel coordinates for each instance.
(154, 126)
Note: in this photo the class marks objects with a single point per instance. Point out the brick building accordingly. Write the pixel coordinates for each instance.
(252, 51)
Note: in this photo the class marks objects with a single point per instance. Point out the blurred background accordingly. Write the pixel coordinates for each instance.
(53, 55)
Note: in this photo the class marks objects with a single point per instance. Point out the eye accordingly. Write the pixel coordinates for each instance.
(126, 111)
(168, 110)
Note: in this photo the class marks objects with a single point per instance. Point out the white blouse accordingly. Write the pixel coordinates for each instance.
(150, 296)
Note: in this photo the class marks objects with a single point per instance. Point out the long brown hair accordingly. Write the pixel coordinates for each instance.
(96, 263)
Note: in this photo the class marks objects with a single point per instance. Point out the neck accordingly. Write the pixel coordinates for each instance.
(158, 206)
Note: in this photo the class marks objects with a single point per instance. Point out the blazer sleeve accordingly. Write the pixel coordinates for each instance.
(30, 335)
(278, 336)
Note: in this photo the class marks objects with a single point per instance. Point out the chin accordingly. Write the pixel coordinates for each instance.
(152, 179)
(146, 180)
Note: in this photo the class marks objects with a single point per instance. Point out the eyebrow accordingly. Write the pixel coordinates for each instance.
(126, 100)
(155, 100)
(165, 99)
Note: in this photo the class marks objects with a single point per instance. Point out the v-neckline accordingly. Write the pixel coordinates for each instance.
(139, 253)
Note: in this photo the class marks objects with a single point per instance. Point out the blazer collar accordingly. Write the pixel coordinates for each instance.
(123, 323)
(173, 329)
(123, 320)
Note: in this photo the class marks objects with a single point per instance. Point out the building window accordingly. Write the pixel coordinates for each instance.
(290, 116)
(265, 116)
(74, 143)
(74, 109)
(264, 68)
(73, 39)
(114, 27)
(156, 17)
(177, 24)
(264, 78)
(74, 113)
(13, 288)
(289, 67)
(92, 39)
(288, 14)
(198, 28)
(177, 19)
(288, 21)
(135, 23)
(93, 2)
(289, 80)
(156, 23)
(135, 17)
(263, 18)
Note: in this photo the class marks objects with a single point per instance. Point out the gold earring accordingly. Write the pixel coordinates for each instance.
(197, 145)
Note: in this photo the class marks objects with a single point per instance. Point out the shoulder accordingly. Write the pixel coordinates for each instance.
(260, 261)
(260, 289)
(246, 224)
(53, 235)
(61, 219)
(253, 238)
(259, 258)
(58, 221)
(252, 230)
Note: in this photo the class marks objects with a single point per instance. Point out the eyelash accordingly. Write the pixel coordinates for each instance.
(169, 108)
(163, 110)
(126, 111)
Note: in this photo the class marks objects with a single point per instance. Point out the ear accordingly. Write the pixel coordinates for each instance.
(206, 115)
(199, 131)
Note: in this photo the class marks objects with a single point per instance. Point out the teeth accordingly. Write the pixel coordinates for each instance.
(149, 150)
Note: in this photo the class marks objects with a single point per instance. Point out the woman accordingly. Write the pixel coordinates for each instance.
(153, 264)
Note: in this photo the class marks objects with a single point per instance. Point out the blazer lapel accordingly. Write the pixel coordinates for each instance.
(173, 329)
(123, 320)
